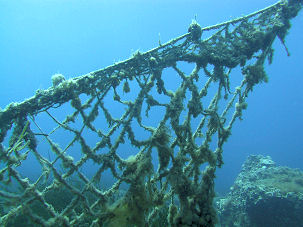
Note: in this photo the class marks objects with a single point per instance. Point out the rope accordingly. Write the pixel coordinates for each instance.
(160, 147)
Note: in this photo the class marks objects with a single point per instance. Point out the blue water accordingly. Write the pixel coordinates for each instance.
(41, 38)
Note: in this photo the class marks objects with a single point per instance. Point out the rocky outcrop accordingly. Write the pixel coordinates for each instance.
(263, 195)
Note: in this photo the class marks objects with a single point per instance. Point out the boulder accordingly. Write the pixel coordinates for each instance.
(263, 195)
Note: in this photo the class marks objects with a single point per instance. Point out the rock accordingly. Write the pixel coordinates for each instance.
(263, 195)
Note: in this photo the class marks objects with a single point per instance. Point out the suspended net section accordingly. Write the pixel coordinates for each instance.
(136, 143)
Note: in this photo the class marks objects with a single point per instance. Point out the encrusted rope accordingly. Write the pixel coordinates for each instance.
(175, 136)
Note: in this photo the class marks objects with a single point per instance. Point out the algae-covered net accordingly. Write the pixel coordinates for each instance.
(133, 149)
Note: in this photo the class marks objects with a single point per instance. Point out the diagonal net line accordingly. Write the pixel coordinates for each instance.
(174, 137)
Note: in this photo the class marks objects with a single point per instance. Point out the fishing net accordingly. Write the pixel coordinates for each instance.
(136, 143)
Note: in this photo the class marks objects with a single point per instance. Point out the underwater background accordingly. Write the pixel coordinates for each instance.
(74, 37)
